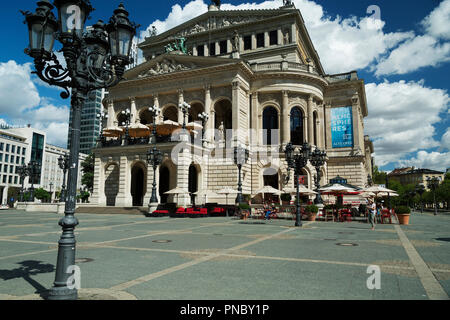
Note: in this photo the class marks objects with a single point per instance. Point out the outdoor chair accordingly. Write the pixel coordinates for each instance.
(328, 215)
(386, 215)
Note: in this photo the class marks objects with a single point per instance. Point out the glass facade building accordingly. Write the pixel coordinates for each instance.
(90, 123)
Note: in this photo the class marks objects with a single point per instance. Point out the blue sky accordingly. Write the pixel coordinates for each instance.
(403, 54)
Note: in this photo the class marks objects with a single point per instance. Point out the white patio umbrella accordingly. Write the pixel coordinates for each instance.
(268, 190)
(177, 191)
(337, 188)
(226, 191)
(378, 189)
(303, 190)
(206, 194)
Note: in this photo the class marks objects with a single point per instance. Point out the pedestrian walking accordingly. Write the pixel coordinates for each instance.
(372, 213)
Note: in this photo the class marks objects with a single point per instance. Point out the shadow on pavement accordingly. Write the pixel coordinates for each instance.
(29, 268)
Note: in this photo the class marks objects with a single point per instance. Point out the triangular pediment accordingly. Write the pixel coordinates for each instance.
(215, 20)
(172, 63)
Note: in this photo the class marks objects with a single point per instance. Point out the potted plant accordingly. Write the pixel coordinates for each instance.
(286, 199)
(403, 214)
(244, 209)
(311, 211)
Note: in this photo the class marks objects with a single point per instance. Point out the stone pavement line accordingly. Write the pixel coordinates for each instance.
(152, 276)
(27, 254)
(432, 287)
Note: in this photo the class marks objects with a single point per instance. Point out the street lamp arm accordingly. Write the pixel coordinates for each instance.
(53, 73)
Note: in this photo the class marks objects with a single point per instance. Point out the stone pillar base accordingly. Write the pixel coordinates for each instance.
(152, 207)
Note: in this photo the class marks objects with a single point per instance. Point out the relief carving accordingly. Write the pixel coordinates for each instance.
(166, 66)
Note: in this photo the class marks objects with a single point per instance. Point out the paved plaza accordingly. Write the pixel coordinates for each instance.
(128, 257)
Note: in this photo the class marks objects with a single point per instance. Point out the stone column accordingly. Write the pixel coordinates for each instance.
(194, 50)
(98, 194)
(5, 195)
(310, 120)
(253, 41)
(209, 126)
(124, 198)
(111, 114)
(160, 118)
(286, 123)
(133, 110)
(294, 33)
(206, 46)
(355, 114)
(235, 108)
(266, 39)
(280, 36)
(180, 101)
(254, 124)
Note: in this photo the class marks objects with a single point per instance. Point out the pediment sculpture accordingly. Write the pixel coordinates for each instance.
(166, 66)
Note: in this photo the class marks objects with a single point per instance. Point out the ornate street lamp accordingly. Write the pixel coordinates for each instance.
(184, 107)
(102, 117)
(154, 158)
(318, 159)
(23, 173)
(63, 163)
(297, 160)
(156, 111)
(420, 189)
(204, 117)
(433, 184)
(95, 59)
(241, 156)
(126, 124)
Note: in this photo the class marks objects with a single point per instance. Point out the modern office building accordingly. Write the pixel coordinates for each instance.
(258, 76)
(90, 123)
(20, 146)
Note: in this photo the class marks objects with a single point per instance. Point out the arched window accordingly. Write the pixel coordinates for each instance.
(270, 123)
(297, 137)
(171, 113)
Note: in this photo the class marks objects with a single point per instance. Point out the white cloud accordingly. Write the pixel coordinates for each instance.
(422, 51)
(20, 104)
(401, 118)
(17, 91)
(437, 22)
(343, 44)
(433, 160)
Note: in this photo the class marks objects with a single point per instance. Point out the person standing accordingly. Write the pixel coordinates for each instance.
(372, 213)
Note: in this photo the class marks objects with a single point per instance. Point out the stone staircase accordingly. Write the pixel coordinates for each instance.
(112, 210)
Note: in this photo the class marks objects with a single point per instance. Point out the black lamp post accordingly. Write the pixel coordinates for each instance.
(433, 184)
(184, 107)
(318, 159)
(156, 111)
(34, 169)
(23, 173)
(297, 161)
(127, 114)
(63, 163)
(95, 59)
(154, 158)
(241, 156)
(420, 189)
(204, 117)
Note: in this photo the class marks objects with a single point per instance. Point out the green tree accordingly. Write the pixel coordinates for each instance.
(88, 172)
(378, 177)
(42, 195)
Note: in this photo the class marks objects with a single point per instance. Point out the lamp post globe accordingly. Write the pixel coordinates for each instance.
(91, 64)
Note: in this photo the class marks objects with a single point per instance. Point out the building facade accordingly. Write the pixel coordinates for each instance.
(415, 176)
(20, 146)
(260, 80)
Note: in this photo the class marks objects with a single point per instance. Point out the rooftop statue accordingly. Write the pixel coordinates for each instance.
(216, 2)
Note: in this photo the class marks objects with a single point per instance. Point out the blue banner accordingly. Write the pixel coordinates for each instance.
(342, 127)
